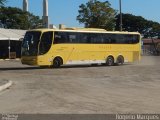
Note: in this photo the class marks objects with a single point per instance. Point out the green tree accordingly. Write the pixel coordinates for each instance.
(96, 14)
(15, 18)
(138, 23)
(2, 2)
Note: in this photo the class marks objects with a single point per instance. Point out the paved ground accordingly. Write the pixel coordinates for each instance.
(3, 82)
(131, 88)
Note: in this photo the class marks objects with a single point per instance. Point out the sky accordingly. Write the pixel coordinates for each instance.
(65, 11)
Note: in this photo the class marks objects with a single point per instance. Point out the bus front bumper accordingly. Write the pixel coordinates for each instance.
(29, 60)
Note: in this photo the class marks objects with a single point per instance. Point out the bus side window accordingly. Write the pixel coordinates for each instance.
(60, 37)
(93, 38)
(112, 38)
(106, 38)
(73, 38)
(135, 39)
(96, 38)
(45, 43)
(84, 38)
(121, 39)
(56, 39)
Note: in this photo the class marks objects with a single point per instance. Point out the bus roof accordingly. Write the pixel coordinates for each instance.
(87, 30)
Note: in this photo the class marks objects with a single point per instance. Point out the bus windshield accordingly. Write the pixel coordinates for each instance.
(30, 43)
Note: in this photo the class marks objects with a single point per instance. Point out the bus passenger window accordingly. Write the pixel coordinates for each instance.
(84, 38)
(72, 38)
(60, 37)
(56, 39)
(45, 43)
(135, 39)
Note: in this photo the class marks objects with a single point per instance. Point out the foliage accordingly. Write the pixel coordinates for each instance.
(2, 2)
(137, 23)
(15, 18)
(96, 14)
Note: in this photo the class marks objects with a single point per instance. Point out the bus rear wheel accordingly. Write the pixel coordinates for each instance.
(110, 61)
(120, 60)
(57, 62)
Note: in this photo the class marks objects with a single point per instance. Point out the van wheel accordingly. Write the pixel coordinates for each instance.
(110, 61)
(120, 60)
(57, 62)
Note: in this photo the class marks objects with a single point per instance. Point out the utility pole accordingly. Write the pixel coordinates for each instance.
(45, 14)
(25, 5)
(120, 8)
(9, 49)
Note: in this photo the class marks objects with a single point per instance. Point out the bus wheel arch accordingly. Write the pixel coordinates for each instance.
(110, 60)
(57, 62)
(120, 60)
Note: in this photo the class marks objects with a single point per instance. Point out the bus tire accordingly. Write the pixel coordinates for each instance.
(57, 62)
(120, 60)
(110, 61)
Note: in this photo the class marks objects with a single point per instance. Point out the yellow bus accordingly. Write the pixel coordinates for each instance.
(69, 46)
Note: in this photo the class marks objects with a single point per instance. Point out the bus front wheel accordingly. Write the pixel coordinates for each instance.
(110, 61)
(57, 62)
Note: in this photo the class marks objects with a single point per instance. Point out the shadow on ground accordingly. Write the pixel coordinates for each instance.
(62, 67)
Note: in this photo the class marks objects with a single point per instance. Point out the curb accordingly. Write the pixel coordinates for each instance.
(17, 59)
(5, 86)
